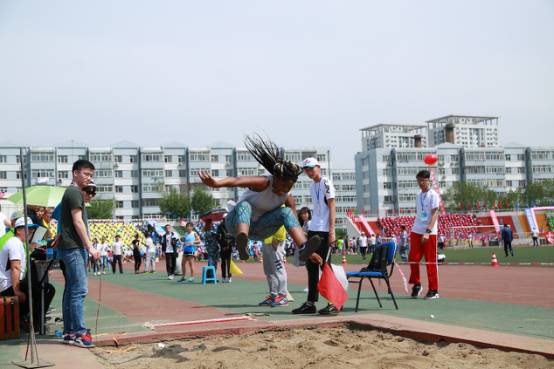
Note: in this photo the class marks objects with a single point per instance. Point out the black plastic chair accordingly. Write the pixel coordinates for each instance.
(380, 266)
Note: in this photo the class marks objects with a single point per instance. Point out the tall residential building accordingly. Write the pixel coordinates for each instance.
(393, 135)
(468, 151)
(136, 177)
(464, 130)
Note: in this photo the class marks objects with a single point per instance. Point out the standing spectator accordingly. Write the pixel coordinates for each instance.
(404, 246)
(210, 236)
(103, 249)
(96, 261)
(117, 254)
(136, 254)
(423, 238)
(363, 245)
(150, 265)
(535, 236)
(190, 241)
(372, 241)
(169, 249)
(441, 242)
(73, 245)
(470, 240)
(274, 269)
(322, 226)
(507, 237)
(226, 246)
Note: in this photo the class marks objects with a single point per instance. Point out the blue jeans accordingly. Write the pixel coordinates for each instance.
(73, 310)
(265, 226)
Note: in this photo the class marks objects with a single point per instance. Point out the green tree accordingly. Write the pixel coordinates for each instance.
(175, 204)
(534, 193)
(100, 209)
(202, 201)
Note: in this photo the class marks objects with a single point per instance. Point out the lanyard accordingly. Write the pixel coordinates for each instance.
(422, 200)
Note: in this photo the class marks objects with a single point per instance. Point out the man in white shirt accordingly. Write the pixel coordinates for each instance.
(322, 224)
(423, 238)
(150, 255)
(13, 261)
(117, 249)
(363, 245)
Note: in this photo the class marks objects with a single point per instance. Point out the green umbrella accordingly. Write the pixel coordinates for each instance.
(40, 195)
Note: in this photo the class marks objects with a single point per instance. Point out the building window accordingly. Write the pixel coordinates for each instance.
(62, 158)
(200, 156)
(63, 174)
(119, 189)
(214, 158)
(169, 173)
(133, 158)
(103, 173)
(134, 188)
(43, 157)
(3, 175)
(119, 204)
(168, 158)
(151, 157)
(134, 204)
(118, 159)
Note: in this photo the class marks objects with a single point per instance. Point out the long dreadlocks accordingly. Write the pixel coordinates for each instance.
(272, 158)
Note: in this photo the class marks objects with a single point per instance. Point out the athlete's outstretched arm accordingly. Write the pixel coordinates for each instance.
(255, 183)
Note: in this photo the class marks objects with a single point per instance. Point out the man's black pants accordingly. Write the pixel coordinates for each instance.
(170, 262)
(117, 259)
(313, 269)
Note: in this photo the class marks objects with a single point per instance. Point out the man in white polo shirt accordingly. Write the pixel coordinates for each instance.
(423, 238)
(322, 224)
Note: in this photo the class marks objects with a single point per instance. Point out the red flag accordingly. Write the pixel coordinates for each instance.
(330, 288)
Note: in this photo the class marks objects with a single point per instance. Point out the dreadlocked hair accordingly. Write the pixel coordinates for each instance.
(272, 158)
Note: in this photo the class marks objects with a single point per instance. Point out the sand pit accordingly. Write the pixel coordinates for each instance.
(323, 348)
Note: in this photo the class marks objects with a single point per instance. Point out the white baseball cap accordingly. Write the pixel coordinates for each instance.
(310, 163)
(20, 222)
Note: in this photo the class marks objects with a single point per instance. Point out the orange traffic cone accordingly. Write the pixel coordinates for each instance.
(494, 261)
(343, 259)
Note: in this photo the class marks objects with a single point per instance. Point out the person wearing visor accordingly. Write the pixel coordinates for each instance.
(13, 259)
(322, 226)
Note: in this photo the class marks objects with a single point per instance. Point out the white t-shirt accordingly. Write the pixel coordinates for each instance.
(117, 246)
(2, 224)
(103, 249)
(169, 245)
(321, 191)
(363, 240)
(13, 250)
(425, 203)
(150, 247)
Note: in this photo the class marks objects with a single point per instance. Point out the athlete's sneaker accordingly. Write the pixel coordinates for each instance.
(68, 338)
(416, 291)
(432, 295)
(280, 300)
(83, 340)
(242, 246)
(305, 309)
(311, 246)
(191, 280)
(182, 280)
(171, 277)
(267, 301)
(330, 309)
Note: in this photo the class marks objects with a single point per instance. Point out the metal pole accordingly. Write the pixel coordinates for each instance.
(34, 361)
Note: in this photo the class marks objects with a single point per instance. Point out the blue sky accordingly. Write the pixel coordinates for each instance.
(305, 73)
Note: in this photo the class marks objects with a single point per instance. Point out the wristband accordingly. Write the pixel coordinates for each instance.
(429, 231)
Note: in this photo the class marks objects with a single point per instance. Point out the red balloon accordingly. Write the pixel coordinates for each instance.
(430, 159)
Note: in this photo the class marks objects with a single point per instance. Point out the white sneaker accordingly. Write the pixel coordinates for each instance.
(230, 280)
(171, 277)
(95, 274)
(104, 273)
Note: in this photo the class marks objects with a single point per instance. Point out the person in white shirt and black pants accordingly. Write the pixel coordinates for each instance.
(169, 248)
(423, 238)
(322, 224)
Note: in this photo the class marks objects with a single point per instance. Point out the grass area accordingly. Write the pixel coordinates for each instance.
(542, 254)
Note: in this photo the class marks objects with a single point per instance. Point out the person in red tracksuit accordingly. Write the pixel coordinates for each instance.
(423, 238)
